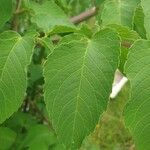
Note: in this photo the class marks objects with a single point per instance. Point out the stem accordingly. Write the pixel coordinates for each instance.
(84, 15)
(18, 5)
(15, 22)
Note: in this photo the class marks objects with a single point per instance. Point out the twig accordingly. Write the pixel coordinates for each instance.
(18, 5)
(84, 16)
(15, 22)
(80, 18)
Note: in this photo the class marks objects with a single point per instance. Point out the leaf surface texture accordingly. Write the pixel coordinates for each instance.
(78, 81)
(137, 112)
(15, 54)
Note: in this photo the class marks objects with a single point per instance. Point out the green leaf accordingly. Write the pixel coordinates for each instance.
(49, 17)
(5, 11)
(137, 112)
(39, 137)
(139, 22)
(78, 79)
(99, 2)
(85, 30)
(125, 33)
(19, 121)
(15, 54)
(123, 58)
(7, 138)
(73, 37)
(127, 36)
(146, 9)
(35, 74)
(47, 43)
(78, 6)
(119, 12)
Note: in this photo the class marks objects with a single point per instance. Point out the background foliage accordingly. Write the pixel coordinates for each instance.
(57, 66)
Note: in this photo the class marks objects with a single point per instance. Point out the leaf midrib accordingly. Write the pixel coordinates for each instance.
(78, 93)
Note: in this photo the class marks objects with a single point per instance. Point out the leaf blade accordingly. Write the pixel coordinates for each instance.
(73, 77)
(136, 113)
(145, 5)
(15, 54)
(119, 11)
(7, 137)
(49, 17)
(6, 11)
